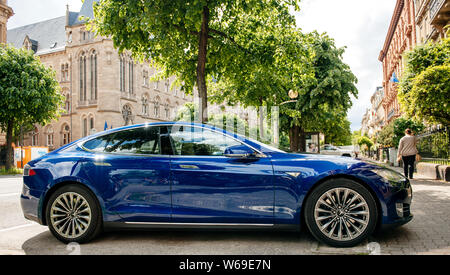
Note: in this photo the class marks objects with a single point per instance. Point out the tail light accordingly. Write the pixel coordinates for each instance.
(28, 172)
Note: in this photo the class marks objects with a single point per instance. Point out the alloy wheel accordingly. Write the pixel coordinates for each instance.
(342, 214)
(70, 215)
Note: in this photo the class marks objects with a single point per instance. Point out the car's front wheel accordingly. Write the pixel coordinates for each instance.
(73, 214)
(341, 213)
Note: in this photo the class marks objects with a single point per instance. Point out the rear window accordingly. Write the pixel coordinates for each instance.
(143, 140)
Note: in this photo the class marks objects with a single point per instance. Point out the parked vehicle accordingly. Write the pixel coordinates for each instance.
(182, 175)
(328, 149)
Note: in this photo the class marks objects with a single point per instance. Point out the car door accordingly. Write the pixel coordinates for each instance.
(208, 187)
(133, 168)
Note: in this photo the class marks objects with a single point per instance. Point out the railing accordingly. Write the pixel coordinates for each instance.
(434, 145)
(435, 6)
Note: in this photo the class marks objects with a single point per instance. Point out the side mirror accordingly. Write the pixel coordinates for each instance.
(238, 151)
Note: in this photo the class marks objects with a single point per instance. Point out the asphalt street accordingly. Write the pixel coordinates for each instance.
(428, 233)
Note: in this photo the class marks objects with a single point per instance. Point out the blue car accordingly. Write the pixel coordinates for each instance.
(184, 175)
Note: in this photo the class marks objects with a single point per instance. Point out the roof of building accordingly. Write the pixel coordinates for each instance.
(50, 35)
(45, 34)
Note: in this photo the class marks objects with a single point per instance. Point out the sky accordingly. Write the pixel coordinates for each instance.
(359, 25)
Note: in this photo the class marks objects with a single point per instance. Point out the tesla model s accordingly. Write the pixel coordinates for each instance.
(184, 175)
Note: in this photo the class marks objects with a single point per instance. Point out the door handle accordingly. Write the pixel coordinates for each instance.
(183, 166)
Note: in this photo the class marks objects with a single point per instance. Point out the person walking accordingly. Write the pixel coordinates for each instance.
(407, 151)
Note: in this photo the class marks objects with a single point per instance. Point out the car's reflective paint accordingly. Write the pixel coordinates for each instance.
(264, 190)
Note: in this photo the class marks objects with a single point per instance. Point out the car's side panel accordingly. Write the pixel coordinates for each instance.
(222, 190)
(137, 188)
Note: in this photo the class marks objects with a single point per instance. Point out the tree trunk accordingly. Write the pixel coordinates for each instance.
(201, 66)
(294, 138)
(9, 150)
(302, 139)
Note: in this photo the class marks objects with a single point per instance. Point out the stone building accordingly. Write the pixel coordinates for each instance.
(432, 16)
(5, 13)
(401, 37)
(101, 88)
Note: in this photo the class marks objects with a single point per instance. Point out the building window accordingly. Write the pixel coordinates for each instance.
(91, 124)
(167, 86)
(50, 136)
(145, 77)
(94, 76)
(145, 105)
(83, 85)
(65, 133)
(131, 77)
(127, 115)
(35, 137)
(167, 110)
(67, 103)
(64, 72)
(157, 85)
(122, 73)
(156, 108)
(85, 127)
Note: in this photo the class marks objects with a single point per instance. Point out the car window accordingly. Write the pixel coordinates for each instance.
(144, 140)
(194, 141)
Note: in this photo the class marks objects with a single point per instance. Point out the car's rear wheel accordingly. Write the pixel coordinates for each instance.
(73, 214)
(341, 213)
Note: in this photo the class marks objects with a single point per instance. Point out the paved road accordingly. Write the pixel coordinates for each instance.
(428, 233)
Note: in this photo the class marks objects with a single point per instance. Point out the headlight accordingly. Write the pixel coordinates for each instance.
(389, 176)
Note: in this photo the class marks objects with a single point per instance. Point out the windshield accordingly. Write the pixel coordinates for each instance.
(265, 146)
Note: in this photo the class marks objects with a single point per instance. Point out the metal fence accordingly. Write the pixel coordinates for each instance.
(434, 145)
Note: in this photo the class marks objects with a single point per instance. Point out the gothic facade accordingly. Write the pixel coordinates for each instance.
(102, 88)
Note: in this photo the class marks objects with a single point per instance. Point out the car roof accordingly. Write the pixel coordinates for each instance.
(257, 145)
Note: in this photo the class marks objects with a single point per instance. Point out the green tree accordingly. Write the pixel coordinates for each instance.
(400, 125)
(310, 65)
(29, 93)
(424, 92)
(386, 136)
(194, 40)
(365, 141)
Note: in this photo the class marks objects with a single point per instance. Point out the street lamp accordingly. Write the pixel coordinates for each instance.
(292, 95)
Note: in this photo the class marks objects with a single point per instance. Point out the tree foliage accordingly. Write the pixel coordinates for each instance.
(424, 92)
(400, 125)
(365, 141)
(194, 40)
(309, 64)
(29, 92)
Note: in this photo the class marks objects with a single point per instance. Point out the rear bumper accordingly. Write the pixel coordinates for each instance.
(30, 203)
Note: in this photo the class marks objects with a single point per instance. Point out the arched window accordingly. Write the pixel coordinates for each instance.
(131, 77)
(122, 73)
(67, 103)
(167, 110)
(85, 127)
(82, 61)
(93, 75)
(65, 134)
(50, 136)
(35, 137)
(127, 115)
(145, 105)
(156, 108)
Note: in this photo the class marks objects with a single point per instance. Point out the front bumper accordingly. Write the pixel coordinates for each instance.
(399, 206)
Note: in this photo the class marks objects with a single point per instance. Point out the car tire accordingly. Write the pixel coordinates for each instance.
(73, 214)
(341, 213)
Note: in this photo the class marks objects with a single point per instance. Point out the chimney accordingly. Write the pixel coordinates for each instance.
(67, 15)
